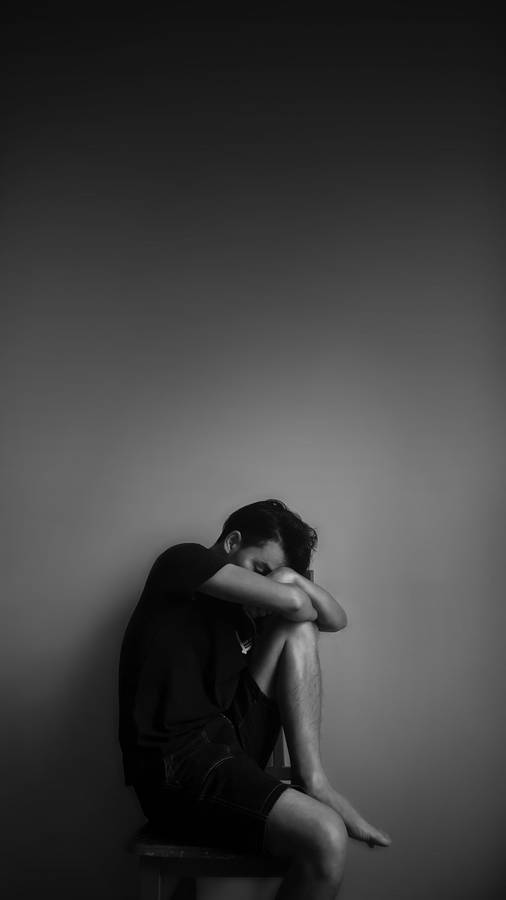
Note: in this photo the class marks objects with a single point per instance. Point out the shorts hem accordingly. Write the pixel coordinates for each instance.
(269, 802)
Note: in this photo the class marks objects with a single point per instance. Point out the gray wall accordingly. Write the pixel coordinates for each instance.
(243, 262)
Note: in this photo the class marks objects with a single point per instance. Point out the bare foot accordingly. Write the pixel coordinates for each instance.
(362, 831)
(356, 825)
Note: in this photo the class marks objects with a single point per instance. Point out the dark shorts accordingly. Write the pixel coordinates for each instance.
(215, 790)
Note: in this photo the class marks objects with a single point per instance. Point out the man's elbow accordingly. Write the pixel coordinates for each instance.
(342, 621)
(336, 622)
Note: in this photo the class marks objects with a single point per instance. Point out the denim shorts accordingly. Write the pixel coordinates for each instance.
(214, 789)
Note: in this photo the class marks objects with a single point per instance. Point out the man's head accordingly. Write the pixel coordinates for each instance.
(265, 535)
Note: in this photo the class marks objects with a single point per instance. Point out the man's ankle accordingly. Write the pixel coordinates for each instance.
(312, 783)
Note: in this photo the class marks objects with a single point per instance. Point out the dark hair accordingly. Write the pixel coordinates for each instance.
(271, 520)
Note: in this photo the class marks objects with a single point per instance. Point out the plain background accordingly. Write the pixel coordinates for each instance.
(247, 259)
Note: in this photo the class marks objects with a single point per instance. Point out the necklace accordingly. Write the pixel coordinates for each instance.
(245, 645)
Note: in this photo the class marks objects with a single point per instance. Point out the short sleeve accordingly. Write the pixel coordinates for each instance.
(184, 567)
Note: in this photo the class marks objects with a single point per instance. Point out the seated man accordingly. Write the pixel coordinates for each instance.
(221, 651)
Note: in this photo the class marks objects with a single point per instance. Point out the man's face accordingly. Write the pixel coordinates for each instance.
(262, 559)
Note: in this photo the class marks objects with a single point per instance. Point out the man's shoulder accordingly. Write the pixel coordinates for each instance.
(180, 552)
(180, 562)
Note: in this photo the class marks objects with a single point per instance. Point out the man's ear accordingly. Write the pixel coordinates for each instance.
(232, 541)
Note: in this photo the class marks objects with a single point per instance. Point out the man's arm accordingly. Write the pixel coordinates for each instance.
(330, 615)
(240, 585)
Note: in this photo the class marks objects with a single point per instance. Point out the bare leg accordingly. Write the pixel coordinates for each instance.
(313, 837)
(300, 882)
(297, 689)
(285, 664)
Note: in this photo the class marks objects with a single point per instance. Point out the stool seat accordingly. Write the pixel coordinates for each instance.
(194, 860)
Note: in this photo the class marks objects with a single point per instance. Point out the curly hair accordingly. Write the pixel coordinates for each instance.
(271, 520)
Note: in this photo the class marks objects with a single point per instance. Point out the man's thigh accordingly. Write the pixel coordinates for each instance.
(229, 810)
(288, 828)
(213, 791)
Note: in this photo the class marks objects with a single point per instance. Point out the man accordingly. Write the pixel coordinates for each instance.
(220, 651)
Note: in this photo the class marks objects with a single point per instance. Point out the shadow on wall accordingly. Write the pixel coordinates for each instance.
(70, 812)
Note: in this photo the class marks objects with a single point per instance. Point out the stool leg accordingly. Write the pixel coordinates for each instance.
(155, 884)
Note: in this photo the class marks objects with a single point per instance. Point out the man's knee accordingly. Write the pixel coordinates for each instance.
(302, 632)
(279, 636)
(300, 828)
(328, 847)
(295, 631)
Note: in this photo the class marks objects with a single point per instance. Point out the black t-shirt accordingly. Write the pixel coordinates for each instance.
(180, 659)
